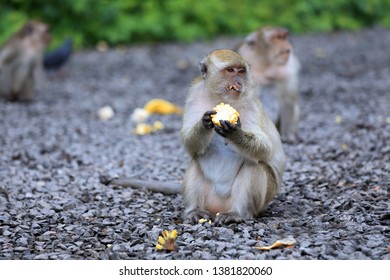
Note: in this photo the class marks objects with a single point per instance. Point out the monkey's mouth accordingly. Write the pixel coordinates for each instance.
(283, 57)
(234, 87)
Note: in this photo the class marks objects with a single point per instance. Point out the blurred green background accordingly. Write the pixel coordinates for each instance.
(132, 21)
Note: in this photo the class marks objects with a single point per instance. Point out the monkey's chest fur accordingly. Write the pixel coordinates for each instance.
(220, 164)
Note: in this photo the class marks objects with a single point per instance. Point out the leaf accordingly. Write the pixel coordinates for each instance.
(167, 240)
(289, 241)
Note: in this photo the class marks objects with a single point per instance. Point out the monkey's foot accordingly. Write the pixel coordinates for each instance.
(13, 96)
(290, 138)
(195, 215)
(228, 218)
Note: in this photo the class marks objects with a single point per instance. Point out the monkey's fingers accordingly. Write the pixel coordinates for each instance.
(220, 131)
(206, 119)
(207, 115)
(227, 126)
(211, 112)
(238, 124)
(208, 124)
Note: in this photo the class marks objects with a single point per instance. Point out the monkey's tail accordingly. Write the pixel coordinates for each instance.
(156, 186)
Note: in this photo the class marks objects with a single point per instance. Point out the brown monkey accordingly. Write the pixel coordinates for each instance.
(235, 169)
(21, 61)
(273, 63)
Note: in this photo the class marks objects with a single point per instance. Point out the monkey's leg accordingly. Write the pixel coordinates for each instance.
(195, 186)
(27, 92)
(19, 78)
(288, 119)
(13, 96)
(249, 194)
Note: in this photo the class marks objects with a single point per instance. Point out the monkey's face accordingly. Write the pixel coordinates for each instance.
(228, 82)
(279, 48)
(225, 74)
(40, 33)
(234, 76)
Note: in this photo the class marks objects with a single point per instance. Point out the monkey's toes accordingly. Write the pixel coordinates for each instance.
(194, 216)
(228, 218)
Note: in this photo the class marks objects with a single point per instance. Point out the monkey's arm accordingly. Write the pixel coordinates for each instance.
(256, 145)
(38, 74)
(196, 137)
(7, 54)
(288, 118)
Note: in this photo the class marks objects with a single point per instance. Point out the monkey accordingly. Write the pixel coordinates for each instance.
(235, 170)
(21, 60)
(274, 64)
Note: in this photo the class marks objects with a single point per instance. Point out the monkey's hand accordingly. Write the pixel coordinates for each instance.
(206, 119)
(227, 127)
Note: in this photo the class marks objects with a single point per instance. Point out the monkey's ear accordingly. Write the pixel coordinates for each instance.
(203, 68)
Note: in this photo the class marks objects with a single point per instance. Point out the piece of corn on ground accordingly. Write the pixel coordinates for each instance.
(142, 129)
(224, 112)
(161, 106)
(157, 125)
(139, 115)
(106, 113)
(145, 128)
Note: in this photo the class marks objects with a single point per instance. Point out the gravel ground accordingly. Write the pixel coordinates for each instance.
(335, 196)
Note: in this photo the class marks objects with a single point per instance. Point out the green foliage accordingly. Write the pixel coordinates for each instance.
(129, 21)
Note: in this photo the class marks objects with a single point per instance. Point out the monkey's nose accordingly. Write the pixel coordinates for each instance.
(238, 82)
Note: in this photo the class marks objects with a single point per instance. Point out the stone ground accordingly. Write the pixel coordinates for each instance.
(335, 196)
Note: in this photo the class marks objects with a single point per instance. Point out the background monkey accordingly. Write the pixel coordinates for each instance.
(21, 61)
(235, 169)
(273, 63)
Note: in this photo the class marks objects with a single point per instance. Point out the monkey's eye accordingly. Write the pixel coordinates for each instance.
(230, 70)
(242, 71)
